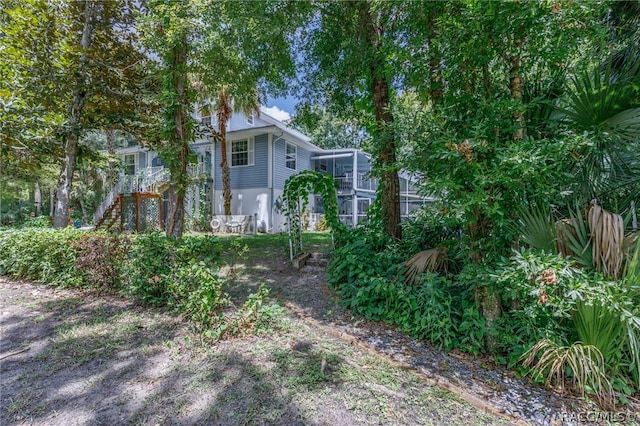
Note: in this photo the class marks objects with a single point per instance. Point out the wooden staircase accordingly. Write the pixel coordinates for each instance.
(111, 216)
(148, 183)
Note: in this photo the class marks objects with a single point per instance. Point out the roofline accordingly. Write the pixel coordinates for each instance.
(301, 137)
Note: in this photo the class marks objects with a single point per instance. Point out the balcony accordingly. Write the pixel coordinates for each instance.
(364, 183)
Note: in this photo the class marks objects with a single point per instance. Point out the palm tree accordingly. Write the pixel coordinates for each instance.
(225, 104)
(604, 106)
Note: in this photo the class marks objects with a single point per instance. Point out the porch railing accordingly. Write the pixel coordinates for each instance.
(367, 183)
(345, 183)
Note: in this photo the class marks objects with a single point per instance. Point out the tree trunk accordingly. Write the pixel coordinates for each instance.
(65, 183)
(181, 139)
(111, 150)
(491, 310)
(224, 113)
(516, 86)
(78, 101)
(83, 209)
(37, 198)
(389, 191)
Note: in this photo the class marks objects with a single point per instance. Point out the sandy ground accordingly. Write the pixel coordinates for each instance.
(70, 357)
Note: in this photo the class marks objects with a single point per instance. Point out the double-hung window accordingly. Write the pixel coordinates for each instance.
(129, 161)
(290, 156)
(241, 151)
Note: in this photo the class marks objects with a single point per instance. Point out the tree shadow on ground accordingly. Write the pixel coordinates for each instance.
(266, 261)
(105, 361)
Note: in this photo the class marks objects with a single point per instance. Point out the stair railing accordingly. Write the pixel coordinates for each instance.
(108, 201)
(146, 180)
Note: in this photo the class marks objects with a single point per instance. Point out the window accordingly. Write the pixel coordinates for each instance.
(242, 152)
(206, 120)
(290, 156)
(323, 165)
(250, 119)
(129, 161)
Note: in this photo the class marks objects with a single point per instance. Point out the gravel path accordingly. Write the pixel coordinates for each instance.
(478, 381)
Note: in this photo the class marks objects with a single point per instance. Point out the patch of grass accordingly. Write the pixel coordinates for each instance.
(98, 334)
(19, 402)
(305, 370)
(275, 244)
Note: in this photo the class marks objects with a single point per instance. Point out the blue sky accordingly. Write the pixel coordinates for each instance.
(281, 107)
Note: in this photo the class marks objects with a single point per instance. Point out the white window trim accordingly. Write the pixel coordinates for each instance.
(136, 157)
(214, 120)
(250, 119)
(287, 158)
(250, 152)
(324, 165)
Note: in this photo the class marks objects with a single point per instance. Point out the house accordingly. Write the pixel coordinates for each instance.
(262, 153)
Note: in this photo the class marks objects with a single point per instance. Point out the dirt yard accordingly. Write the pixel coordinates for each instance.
(70, 357)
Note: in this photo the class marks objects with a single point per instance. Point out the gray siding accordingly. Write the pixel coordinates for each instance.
(246, 177)
(280, 171)
(142, 160)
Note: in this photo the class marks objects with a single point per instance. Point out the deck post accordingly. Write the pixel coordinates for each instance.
(121, 212)
(160, 211)
(137, 212)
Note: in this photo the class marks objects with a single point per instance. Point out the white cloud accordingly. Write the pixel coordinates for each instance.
(276, 113)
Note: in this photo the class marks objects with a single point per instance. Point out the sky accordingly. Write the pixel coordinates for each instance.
(280, 108)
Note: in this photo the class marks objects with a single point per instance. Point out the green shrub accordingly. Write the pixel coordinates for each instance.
(257, 316)
(43, 255)
(195, 291)
(155, 262)
(539, 291)
(428, 229)
(37, 222)
(368, 273)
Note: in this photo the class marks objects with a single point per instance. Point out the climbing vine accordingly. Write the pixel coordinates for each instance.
(295, 198)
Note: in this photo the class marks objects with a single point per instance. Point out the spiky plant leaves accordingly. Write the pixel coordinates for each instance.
(625, 125)
(599, 326)
(632, 250)
(536, 228)
(603, 107)
(607, 235)
(432, 260)
(574, 239)
(585, 363)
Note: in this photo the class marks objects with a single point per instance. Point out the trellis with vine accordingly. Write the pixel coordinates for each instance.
(295, 199)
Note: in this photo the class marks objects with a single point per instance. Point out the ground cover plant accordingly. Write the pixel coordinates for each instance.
(101, 357)
(150, 269)
(559, 321)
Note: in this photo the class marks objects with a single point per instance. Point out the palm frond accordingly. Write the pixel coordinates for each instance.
(574, 239)
(607, 235)
(432, 260)
(625, 125)
(602, 105)
(537, 229)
